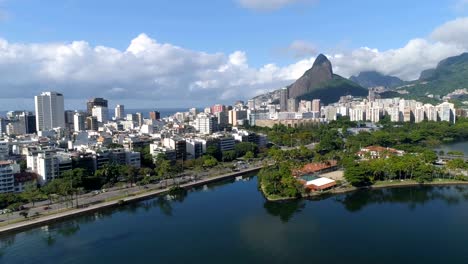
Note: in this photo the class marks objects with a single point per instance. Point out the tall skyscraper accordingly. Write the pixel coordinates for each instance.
(139, 119)
(79, 121)
(101, 113)
(284, 99)
(50, 112)
(95, 102)
(154, 115)
(119, 112)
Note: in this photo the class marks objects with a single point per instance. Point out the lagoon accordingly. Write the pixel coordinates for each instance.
(231, 222)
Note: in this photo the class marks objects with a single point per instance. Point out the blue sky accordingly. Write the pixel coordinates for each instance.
(225, 26)
(261, 34)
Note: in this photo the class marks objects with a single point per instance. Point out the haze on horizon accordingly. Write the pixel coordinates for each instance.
(180, 54)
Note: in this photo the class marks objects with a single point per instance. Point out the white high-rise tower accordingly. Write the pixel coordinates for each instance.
(50, 112)
(119, 112)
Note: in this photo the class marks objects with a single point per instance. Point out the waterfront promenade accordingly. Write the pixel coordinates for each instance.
(22, 224)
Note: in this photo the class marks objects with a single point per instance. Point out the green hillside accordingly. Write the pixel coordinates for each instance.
(449, 75)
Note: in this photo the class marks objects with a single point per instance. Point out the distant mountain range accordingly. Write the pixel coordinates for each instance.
(319, 82)
(371, 79)
(449, 75)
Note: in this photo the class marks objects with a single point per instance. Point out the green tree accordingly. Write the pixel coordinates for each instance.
(244, 147)
(210, 162)
(249, 155)
(31, 193)
(358, 175)
(214, 151)
(229, 155)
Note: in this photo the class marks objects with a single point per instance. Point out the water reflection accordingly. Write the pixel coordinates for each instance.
(412, 196)
(6, 242)
(285, 210)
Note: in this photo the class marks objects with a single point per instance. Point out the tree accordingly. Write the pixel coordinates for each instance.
(429, 156)
(24, 213)
(163, 167)
(249, 155)
(214, 151)
(210, 162)
(31, 193)
(229, 155)
(358, 175)
(244, 147)
(131, 174)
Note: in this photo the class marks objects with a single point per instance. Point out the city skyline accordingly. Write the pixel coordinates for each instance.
(156, 57)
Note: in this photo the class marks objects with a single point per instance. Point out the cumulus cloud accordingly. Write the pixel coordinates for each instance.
(265, 5)
(146, 69)
(163, 73)
(406, 62)
(453, 32)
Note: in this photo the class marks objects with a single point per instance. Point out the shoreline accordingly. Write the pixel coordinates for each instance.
(29, 223)
(351, 189)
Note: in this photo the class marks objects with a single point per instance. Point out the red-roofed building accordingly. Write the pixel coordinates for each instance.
(316, 168)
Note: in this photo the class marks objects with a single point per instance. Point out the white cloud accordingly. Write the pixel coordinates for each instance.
(300, 49)
(406, 62)
(160, 72)
(266, 5)
(453, 32)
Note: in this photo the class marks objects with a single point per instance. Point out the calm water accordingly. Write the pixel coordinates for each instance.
(232, 223)
(459, 146)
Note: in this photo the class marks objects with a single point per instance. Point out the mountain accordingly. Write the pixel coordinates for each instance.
(319, 82)
(426, 74)
(371, 79)
(449, 75)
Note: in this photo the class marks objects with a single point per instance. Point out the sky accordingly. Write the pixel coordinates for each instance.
(184, 53)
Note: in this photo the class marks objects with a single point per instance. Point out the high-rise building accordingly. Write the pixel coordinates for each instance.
(284, 99)
(8, 169)
(50, 111)
(206, 124)
(139, 119)
(154, 115)
(69, 119)
(92, 123)
(251, 104)
(26, 122)
(446, 112)
(316, 105)
(95, 102)
(292, 105)
(236, 115)
(3, 124)
(101, 113)
(217, 108)
(119, 112)
(79, 121)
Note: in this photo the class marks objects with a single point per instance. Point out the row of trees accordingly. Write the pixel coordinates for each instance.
(409, 166)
